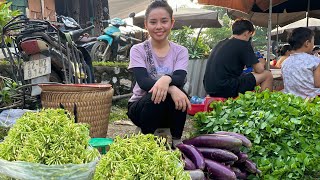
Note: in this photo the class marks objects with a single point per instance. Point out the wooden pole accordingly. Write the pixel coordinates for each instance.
(269, 35)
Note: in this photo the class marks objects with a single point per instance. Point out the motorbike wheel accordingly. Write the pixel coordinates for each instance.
(98, 49)
(54, 77)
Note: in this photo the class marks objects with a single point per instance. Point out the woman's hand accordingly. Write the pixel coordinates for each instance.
(160, 89)
(179, 98)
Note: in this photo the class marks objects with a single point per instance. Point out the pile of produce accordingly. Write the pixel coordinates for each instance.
(219, 156)
(48, 137)
(140, 157)
(284, 130)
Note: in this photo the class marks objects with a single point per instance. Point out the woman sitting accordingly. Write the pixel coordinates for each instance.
(301, 70)
(285, 51)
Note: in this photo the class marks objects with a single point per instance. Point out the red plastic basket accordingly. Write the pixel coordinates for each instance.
(195, 108)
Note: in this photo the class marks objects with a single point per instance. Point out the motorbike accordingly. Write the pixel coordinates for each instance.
(42, 53)
(84, 42)
(113, 45)
(69, 24)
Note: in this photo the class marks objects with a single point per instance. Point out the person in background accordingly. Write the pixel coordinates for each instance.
(316, 51)
(301, 70)
(285, 52)
(223, 75)
(160, 68)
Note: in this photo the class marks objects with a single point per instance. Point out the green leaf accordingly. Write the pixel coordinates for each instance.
(263, 125)
(295, 121)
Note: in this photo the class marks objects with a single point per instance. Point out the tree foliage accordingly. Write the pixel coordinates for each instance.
(187, 37)
(6, 14)
(214, 35)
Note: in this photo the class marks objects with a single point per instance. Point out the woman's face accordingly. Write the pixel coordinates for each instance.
(159, 24)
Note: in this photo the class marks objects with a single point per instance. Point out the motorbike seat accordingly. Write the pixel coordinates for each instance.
(87, 39)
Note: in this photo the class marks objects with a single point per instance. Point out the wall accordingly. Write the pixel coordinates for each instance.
(196, 69)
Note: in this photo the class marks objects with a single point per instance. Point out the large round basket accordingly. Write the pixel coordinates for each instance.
(92, 103)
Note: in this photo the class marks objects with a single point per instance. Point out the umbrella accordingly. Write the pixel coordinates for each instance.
(242, 5)
(295, 6)
(195, 18)
(283, 32)
(281, 19)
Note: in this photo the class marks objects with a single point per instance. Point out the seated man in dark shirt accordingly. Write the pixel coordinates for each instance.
(223, 76)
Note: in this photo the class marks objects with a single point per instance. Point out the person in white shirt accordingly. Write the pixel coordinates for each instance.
(301, 70)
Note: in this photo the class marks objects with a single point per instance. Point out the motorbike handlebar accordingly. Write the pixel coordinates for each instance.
(131, 38)
(77, 33)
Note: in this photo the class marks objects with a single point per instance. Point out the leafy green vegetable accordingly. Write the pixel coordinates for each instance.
(140, 157)
(48, 137)
(285, 131)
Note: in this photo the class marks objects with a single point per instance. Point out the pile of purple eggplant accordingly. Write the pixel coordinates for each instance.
(218, 155)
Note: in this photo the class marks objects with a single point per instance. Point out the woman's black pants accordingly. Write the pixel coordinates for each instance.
(149, 116)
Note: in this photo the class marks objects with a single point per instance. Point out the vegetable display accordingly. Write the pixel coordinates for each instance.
(284, 129)
(220, 154)
(48, 137)
(140, 157)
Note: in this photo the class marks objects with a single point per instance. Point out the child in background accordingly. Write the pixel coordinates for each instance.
(301, 70)
(316, 51)
(285, 51)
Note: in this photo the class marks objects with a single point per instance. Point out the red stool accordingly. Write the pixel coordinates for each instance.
(205, 106)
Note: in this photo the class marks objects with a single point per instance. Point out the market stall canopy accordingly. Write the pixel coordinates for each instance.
(295, 6)
(281, 19)
(193, 17)
(283, 32)
(242, 5)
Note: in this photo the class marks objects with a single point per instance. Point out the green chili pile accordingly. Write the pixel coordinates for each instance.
(140, 157)
(48, 137)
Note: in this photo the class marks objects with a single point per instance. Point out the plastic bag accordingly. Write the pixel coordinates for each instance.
(8, 117)
(34, 171)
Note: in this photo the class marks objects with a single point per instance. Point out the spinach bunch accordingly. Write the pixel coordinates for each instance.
(285, 130)
(140, 157)
(48, 137)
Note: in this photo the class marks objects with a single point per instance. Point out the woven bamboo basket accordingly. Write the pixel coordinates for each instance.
(93, 103)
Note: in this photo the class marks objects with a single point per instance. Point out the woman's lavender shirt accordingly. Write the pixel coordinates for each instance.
(176, 59)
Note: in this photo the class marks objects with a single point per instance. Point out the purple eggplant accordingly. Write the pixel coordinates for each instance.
(259, 172)
(251, 166)
(220, 155)
(219, 171)
(242, 157)
(196, 174)
(193, 154)
(245, 141)
(216, 141)
(188, 164)
(239, 173)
